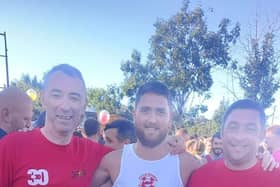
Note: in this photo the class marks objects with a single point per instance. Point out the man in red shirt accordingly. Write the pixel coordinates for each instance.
(243, 129)
(52, 156)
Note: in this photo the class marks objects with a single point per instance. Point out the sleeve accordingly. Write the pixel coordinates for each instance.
(7, 156)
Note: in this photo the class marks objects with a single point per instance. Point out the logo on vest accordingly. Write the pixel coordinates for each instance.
(37, 177)
(147, 180)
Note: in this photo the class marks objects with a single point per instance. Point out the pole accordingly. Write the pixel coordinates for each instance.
(6, 59)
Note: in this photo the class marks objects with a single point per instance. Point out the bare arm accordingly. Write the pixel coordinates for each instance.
(188, 164)
(108, 170)
(102, 174)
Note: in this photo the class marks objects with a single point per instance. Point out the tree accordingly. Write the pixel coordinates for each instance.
(182, 55)
(108, 99)
(258, 76)
(219, 112)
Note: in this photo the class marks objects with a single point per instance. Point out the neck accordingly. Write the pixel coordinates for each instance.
(214, 156)
(55, 137)
(151, 153)
(237, 166)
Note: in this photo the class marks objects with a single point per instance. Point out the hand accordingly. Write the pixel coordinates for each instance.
(268, 161)
(176, 145)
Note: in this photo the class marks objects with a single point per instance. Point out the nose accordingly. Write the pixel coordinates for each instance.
(152, 117)
(240, 136)
(65, 104)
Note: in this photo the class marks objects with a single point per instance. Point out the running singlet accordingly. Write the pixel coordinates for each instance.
(136, 172)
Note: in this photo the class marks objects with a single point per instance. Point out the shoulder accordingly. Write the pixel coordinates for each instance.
(113, 156)
(19, 137)
(95, 149)
(111, 161)
(188, 161)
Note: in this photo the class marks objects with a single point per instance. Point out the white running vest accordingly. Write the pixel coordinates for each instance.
(136, 172)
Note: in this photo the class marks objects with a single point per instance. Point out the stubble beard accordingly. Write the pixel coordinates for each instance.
(148, 142)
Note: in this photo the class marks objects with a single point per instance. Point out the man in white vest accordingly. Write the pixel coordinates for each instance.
(148, 161)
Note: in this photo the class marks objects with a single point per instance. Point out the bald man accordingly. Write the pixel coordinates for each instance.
(15, 111)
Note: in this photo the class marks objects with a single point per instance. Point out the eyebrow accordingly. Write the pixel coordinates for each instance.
(75, 94)
(55, 90)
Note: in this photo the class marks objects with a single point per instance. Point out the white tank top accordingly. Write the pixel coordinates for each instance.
(136, 172)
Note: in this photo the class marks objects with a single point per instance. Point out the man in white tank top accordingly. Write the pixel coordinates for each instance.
(147, 163)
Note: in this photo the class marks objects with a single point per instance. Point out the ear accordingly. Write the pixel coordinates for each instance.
(5, 114)
(133, 115)
(42, 100)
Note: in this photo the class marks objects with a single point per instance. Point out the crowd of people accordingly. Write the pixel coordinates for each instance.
(126, 153)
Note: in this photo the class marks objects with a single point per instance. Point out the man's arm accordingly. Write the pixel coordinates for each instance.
(188, 164)
(107, 170)
(268, 161)
(102, 174)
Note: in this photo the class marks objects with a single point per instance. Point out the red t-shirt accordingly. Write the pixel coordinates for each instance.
(29, 159)
(216, 174)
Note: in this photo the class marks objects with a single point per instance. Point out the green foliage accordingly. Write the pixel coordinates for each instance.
(108, 99)
(182, 55)
(258, 75)
(105, 99)
(203, 128)
(219, 112)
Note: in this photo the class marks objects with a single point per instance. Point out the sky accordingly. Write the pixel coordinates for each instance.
(96, 36)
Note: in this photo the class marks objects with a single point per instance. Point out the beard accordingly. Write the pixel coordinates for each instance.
(217, 151)
(150, 142)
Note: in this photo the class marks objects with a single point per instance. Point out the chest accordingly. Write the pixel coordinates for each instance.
(163, 173)
(53, 167)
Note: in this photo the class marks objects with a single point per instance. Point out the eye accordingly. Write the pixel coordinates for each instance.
(145, 110)
(74, 98)
(232, 127)
(56, 94)
(251, 128)
(161, 111)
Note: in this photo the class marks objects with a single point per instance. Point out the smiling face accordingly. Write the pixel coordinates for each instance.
(64, 101)
(242, 133)
(152, 119)
(217, 146)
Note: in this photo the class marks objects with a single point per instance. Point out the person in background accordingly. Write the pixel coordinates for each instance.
(119, 133)
(15, 111)
(91, 129)
(40, 122)
(272, 138)
(216, 148)
(183, 133)
(196, 147)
